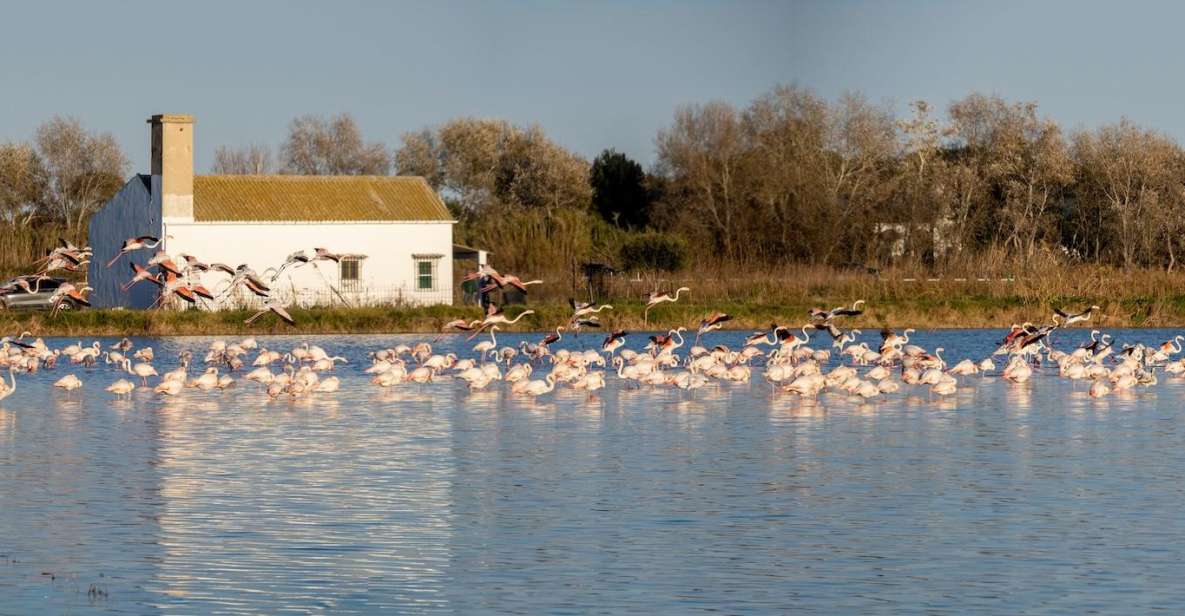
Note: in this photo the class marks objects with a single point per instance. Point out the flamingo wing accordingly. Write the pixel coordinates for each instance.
(283, 314)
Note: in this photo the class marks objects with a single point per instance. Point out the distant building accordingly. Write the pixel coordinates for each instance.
(396, 230)
(934, 237)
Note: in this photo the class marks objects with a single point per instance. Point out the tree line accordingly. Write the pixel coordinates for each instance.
(791, 177)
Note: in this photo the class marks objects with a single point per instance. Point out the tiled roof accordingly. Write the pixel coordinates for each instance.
(299, 198)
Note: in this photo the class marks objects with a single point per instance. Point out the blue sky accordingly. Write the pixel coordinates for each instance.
(1085, 63)
(592, 74)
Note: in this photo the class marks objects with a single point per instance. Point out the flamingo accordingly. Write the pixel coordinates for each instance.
(68, 382)
(133, 244)
(553, 338)
(494, 316)
(841, 311)
(169, 388)
(500, 281)
(713, 321)
(273, 306)
(540, 387)
(7, 390)
(1070, 318)
(142, 370)
(122, 387)
(613, 342)
(655, 298)
(580, 309)
(485, 346)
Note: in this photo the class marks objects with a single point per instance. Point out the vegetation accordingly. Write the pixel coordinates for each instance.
(904, 298)
(787, 201)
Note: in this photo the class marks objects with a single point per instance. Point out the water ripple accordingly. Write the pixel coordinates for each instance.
(1002, 498)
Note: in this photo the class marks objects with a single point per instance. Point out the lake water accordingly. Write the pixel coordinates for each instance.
(1003, 498)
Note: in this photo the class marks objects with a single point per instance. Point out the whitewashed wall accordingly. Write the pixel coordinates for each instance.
(130, 213)
(387, 273)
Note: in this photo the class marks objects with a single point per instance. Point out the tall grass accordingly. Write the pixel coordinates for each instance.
(21, 246)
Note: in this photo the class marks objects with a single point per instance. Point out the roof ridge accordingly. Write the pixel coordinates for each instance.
(286, 176)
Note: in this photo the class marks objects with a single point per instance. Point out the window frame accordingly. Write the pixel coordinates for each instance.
(433, 263)
(350, 284)
(341, 270)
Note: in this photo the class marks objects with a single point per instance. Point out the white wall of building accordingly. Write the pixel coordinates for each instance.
(387, 273)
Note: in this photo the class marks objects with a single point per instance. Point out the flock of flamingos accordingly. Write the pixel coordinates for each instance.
(788, 361)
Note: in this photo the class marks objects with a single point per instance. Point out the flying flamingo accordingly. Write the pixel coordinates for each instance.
(580, 309)
(68, 290)
(323, 254)
(495, 316)
(273, 306)
(509, 279)
(841, 311)
(1074, 317)
(577, 324)
(133, 244)
(139, 274)
(713, 321)
(655, 298)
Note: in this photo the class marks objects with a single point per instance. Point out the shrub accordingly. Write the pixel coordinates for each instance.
(653, 251)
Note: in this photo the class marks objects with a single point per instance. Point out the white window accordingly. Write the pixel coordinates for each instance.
(426, 272)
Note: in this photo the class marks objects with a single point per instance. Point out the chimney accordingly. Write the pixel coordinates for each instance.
(172, 162)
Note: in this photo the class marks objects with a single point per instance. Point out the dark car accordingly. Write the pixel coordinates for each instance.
(14, 297)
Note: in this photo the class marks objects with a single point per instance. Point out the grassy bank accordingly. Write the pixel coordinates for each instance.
(979, 293)
(919, 312)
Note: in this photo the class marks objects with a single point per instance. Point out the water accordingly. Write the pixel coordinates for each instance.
(1004, 498)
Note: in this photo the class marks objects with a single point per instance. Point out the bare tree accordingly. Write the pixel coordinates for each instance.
(488, 164)
(1033, 167)
(701, 154)
(1129, 169)
(861, 142)
(253, 159)
(785, 131)
(85, 169)
(332, 146)
(23, 181)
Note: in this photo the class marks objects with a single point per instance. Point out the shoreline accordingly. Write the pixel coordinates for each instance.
(918, 313)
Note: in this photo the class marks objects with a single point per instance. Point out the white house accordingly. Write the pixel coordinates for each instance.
(396, 230)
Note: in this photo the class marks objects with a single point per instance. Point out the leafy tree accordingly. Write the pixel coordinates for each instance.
(619, 191)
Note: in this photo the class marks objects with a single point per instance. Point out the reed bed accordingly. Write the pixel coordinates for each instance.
(1151, 302)
(21, 246)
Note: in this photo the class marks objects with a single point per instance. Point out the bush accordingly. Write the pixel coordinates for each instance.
(653, 251)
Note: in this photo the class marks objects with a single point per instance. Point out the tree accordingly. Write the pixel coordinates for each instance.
(1033, 168)
(1132, 173)
(701, 154)
(253, 159)
(23, 181)
(331, 146)
(85, 170)
(785, 131)
(490, 164)
(619, 191)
